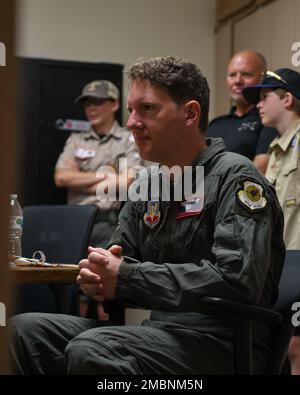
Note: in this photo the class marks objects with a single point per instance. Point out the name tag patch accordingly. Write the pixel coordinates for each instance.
(82, 153)
(190, 207)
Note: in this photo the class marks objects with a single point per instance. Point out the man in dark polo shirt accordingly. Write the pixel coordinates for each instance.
(241, 129)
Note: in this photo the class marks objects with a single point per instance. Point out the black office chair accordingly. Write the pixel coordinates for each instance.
(62, 233)
(242, 315)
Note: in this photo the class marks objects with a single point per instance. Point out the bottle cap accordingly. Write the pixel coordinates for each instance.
(13, 196)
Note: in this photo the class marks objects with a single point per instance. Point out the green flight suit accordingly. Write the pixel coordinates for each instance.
(233, 248)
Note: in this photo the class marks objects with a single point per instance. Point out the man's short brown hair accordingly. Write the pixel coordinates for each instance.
(182, 80)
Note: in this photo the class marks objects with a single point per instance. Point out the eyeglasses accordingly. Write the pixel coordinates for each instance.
(271, 74)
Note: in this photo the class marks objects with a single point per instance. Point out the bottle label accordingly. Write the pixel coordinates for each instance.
(16, 222)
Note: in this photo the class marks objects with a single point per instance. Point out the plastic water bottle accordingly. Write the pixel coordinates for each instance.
(15, 227)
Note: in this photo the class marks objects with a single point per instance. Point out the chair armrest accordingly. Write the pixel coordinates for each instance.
(241, 316)
(222, 306)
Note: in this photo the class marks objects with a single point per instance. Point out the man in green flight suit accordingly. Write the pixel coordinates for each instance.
(165, 255)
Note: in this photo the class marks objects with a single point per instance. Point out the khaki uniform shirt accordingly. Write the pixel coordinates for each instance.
(284, 173)
(90, 152)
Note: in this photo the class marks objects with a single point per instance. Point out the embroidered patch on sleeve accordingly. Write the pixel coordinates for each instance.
(290, 202)
(252, 197)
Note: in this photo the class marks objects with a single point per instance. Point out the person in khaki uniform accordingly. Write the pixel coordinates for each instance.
(278, 102)
(91, 161)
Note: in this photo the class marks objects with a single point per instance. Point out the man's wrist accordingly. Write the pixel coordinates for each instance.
(126, 271)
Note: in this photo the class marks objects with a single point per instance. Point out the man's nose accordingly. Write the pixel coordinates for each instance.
(238, 78)
(130, 121)
(133, 121)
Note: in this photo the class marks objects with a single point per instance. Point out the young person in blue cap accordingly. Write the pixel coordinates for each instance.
(278, 100)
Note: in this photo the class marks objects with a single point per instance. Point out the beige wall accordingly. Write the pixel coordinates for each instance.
(271, 30)
(118, 30)
(223, 54)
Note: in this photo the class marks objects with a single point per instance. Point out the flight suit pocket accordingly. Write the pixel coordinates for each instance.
(191, 230)
(199, 235)
(227, 245)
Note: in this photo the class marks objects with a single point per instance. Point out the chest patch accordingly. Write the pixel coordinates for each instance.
(252, 126)
(153, 214)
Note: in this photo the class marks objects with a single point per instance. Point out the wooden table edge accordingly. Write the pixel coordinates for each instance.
(37, 274)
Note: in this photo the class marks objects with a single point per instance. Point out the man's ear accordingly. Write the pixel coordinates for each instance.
(192, 111)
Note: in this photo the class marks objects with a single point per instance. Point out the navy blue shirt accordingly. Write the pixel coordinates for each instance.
(244, 135)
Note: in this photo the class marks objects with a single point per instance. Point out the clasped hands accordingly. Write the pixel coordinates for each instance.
(98, 272)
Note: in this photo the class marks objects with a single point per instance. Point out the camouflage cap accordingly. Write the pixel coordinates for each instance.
(101, 89)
